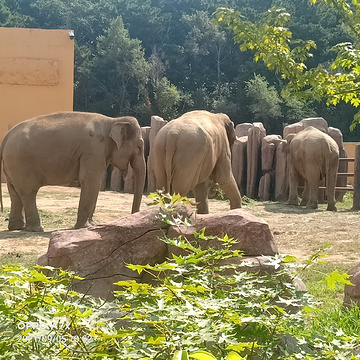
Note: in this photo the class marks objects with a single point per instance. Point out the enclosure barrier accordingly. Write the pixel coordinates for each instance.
(356, 174)
(356, 201)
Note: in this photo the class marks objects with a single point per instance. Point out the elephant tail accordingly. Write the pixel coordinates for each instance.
(169, 155)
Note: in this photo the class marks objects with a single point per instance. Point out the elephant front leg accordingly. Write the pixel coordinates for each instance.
(16, 218)
(88, 197)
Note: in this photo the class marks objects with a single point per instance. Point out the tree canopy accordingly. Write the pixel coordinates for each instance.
(153, 57)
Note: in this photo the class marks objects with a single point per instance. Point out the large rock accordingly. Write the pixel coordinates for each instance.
(317, 122)
(256, 133)
(100, 254)
(352, 293)
(269, 145)
(238, 162)
(242, 129)
(281, 173)
(268, 148)
(292, 129)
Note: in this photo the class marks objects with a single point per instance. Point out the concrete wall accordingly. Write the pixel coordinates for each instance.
(36, 74)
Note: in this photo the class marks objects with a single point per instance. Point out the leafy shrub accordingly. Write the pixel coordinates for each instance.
(198, 305)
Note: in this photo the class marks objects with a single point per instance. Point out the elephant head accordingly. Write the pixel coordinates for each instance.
(128, 147)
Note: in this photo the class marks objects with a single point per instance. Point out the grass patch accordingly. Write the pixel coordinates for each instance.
(25, 260)
(314, 278)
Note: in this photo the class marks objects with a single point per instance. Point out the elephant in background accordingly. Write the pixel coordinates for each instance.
(62, 148)
(313, 155)
(192, 150)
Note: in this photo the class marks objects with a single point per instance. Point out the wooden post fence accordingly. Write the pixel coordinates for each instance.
(356, 198)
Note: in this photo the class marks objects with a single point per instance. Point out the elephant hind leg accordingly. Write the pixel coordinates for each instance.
(305, 194)
(330, 187)
(223, 175)
(313, 181)
(201, 197)
(16, 218)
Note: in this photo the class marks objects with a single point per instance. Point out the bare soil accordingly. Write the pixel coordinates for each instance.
(297, 231)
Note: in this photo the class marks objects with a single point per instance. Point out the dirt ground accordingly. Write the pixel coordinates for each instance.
(297, 231)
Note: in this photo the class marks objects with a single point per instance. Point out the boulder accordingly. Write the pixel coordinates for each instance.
(242, 129)
(238, 162)
(317, 122)
(266, 186)
(256, 133)
(100, 253)
(352, 293)
(281, 173)
(292, 129)
(268, 148)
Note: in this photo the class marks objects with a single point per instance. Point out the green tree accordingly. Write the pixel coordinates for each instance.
(165, 99)
(272, 42)
(265, 104)
(10, 15)
(121, 72)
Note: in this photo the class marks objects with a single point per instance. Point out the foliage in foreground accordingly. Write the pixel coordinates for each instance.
(194, 308)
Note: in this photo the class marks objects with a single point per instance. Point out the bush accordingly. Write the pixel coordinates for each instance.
(198, 305)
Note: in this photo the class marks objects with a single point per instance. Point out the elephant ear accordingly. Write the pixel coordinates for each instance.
(286, 146)
(120, 132)
(230, 132)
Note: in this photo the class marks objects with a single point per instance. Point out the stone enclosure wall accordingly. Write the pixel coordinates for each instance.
(258, 161)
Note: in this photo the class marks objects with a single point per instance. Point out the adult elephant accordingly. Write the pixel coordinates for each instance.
(191, 150)
(61, 148)
(313, 155)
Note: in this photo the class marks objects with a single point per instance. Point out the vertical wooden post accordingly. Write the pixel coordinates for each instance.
(356, 201)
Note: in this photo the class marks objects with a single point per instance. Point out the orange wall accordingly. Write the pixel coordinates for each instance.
(36, 74)
(350, 151)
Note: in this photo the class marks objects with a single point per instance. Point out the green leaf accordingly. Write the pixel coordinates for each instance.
(202, 355)
(181, 355)
(289, 258)
(335, 277)
(234, 356)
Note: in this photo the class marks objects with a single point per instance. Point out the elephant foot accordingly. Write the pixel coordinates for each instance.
(84, 225)
(331, 207)
(303, 202)
(16, 225)
(34, 228)
(312, 205)
(292, 202)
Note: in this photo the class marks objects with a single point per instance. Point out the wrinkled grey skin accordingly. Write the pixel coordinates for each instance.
(192, 150)
(313, 155)
(61, 148)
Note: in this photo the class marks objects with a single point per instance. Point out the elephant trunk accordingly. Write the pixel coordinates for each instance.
(139, 167)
